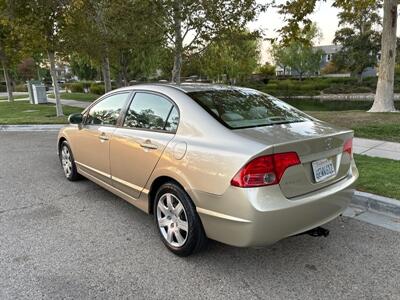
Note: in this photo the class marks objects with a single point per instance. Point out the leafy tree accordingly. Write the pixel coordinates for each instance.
(190, 25)
(139, 40)
(331, 68)
(234, 55)
(42, 24)
(299, 57)
(82, 67)
(359, 40)
(297, 12)
(267, 69)
(121, 36)
(27, 69)
(90, 33)
(10, 46)
(299, 54)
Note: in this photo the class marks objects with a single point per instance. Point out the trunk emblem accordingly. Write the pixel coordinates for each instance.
(328, 143)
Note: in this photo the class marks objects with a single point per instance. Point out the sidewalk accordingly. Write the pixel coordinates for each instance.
(68, 102)
(75, 103)
(377, 148)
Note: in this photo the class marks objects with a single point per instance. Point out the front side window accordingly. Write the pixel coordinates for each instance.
(242, 108)
(107, 111)
(150, 111)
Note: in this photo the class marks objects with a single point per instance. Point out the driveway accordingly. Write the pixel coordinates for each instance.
(75, 240)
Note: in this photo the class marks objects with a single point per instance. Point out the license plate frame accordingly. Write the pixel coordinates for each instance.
(323, 169)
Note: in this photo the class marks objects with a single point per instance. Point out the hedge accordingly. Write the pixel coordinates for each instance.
(97, 88)
(21, 88)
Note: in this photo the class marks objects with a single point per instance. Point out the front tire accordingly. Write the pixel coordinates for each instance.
(68, 162)
(177, 221)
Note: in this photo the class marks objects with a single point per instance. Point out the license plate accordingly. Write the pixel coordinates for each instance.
(323, 169)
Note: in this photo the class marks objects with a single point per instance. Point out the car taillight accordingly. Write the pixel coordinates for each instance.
(348, 146)
(265, 170)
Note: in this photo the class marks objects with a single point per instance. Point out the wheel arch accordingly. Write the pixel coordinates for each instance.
(61, 139)
(155, 185)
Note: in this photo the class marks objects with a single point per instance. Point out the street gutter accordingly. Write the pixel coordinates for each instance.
(22, 128)
(376, 203)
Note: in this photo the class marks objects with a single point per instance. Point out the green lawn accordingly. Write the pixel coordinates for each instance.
(22, 112)
(15, 97)
(381, 126)
(378, 176)
(77, 96)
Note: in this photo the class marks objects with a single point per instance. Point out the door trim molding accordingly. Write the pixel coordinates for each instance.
(94, 170)
(130, 185)
(121, 181)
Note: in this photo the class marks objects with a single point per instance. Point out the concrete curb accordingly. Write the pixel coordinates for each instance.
(22, 128)
(376, 203)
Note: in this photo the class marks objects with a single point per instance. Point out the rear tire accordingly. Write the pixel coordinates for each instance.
(68, 162)
(177, 221)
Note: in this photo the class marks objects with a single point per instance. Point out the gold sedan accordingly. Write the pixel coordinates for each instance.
(228, 163)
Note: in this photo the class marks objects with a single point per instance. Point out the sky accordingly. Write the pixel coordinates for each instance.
(325, 16)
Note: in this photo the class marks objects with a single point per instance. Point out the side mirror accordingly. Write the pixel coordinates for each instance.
(75, 119)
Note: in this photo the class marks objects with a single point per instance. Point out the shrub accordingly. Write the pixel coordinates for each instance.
(335, 89)
(309, 87)
(97, 88)
(267, 70)
(347, 89)
(21, 88)
(75, 87)
(361, 89)
(3, 88)
(271, 86)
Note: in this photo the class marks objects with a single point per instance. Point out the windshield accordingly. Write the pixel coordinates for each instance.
(246, 108)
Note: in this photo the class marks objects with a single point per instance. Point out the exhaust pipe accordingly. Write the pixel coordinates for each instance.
(318, 231)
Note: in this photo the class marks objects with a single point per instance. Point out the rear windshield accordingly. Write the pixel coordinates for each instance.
(246, 108)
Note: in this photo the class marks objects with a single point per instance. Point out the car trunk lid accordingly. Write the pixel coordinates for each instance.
(314, 142)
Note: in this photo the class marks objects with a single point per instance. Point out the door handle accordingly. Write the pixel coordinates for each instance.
(103, 137)
(148, 145)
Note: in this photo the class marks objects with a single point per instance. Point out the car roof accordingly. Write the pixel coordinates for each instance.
(187, 87)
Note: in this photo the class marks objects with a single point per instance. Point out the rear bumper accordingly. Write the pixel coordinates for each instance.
(263, 216)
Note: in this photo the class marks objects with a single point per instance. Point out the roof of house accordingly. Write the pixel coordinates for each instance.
(329, 49)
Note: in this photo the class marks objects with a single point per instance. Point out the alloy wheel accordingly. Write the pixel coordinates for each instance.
(66, 161)
(172, 220)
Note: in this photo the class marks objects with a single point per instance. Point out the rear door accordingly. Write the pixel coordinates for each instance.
(150, 123)
(92, 143)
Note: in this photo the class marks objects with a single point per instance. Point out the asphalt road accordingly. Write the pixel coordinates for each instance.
(75, 240)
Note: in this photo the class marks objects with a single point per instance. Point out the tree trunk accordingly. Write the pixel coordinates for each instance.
(54, 78)
(384, 101)
(105, 65)
(8, 83)
(360, 78)
(38, 73)
(119, 79)
(178, 47)
(124, 69)
(125, 75)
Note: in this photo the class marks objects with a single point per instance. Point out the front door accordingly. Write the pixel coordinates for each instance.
(92, 153)
(150, 123)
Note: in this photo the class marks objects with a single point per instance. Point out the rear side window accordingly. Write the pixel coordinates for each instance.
(173, 120)
(242, 108)
(107, 111)
(150, 111)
